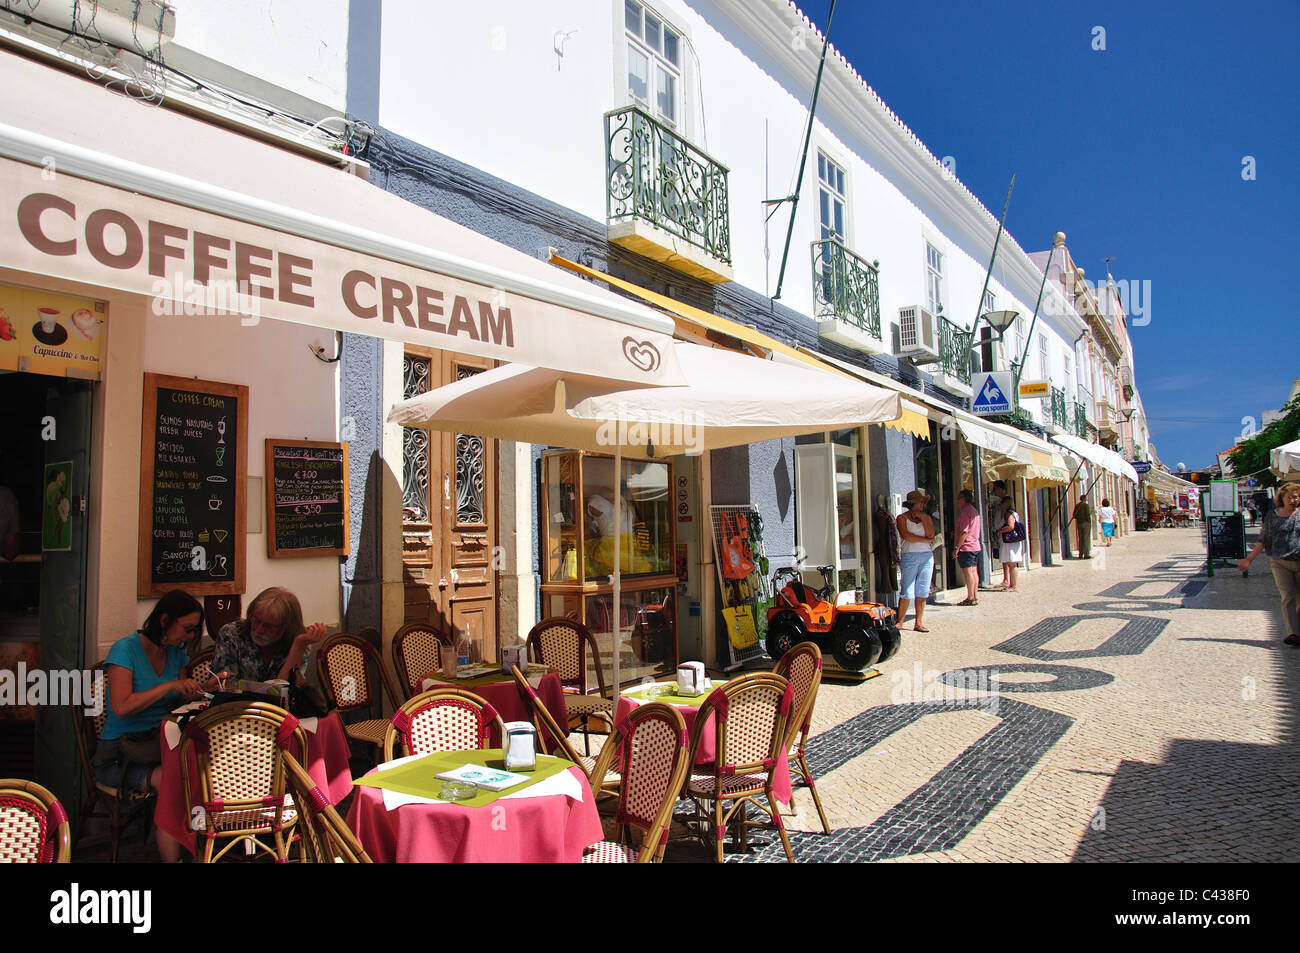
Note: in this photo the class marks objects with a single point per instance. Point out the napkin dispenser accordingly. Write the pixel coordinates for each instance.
(519, 746)
(511, 656)
(690, 678)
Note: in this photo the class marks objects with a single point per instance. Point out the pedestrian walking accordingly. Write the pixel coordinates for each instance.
(1082, 518)
(917, 532)
(1280, 538)
(1108, 518)
(967, 544)
(1012, 533)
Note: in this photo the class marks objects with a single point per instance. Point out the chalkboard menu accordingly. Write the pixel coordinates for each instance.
(1227, 536)
(193, 469)
(306, 498)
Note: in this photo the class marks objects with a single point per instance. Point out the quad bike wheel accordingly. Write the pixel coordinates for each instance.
(890, 640)
(855, 647)
(782, 636)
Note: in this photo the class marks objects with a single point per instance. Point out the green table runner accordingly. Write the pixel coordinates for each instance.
(672, 698)
(420, 778)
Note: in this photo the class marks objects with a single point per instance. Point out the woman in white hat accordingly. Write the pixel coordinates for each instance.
(916, 530)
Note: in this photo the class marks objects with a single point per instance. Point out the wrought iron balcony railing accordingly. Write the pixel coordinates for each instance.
(653, 174)
(954, 350)
(1080, 419)
(845, 286)
(1019, 418)
(1058, 407)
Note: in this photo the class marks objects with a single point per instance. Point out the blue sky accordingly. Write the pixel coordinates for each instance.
(1136, 153)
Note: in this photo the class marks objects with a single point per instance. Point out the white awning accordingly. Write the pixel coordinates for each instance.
(1094, 453)
(180, 205)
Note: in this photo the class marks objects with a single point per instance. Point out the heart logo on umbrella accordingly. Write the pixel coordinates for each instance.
(642, 354)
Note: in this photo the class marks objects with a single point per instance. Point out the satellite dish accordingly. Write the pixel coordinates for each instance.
(1182, 467)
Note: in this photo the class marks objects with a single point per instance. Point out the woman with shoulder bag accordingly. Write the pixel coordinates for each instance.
(144, 683)
(1012, 535)
(1280, 538)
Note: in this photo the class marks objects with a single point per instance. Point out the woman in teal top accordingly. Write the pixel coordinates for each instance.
(144, 684)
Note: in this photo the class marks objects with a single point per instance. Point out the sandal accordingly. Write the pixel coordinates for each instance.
(919, 628)
(965, 602)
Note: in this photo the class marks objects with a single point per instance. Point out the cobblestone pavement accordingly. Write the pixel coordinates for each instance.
(1139, 711)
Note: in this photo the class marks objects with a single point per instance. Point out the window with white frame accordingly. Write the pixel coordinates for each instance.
(1069, 379)
(1043, 365)
(831, 198)
(654, 72)
(933, 278)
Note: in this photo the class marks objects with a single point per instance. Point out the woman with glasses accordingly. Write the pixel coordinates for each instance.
(145, 682)
(269, 643)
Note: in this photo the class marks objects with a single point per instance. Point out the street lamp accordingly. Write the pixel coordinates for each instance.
(999, 321)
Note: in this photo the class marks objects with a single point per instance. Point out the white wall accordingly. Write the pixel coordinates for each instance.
(299, 45)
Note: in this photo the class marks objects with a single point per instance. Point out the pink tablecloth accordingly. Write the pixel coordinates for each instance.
(326, 762)
(551, 828)
(504, 697)
(708, 753)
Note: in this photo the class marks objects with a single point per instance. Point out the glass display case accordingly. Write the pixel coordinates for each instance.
(581, 536)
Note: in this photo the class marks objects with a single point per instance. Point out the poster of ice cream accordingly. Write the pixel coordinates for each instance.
(48, 333)
(56, 510)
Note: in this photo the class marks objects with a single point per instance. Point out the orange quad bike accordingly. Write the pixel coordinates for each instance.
(856, 635)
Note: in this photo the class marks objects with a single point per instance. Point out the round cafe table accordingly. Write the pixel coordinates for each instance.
(553, 820)
(689, 706)
(326, 761)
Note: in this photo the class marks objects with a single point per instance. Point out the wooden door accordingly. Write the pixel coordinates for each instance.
(469, 523)
(449, 514)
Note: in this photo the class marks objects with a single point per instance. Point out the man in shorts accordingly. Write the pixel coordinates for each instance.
(967, 543)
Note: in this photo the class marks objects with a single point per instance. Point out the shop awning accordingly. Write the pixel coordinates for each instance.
(1168, 482)
(1284, 461)
(914, 417)
(1093, 453)
(695, 316)
(189, 214)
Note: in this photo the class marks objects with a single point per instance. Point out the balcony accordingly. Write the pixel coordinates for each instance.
(1059, 417)
(1080, 420)
(953, 370)
(1107, 421)
(664, 198)
(846, 297)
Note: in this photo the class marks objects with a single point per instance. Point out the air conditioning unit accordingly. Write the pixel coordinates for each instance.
(918, 337)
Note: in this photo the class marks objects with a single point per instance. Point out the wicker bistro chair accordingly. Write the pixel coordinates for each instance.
(120, 805)
(563, 644)
(240, 786)
(444, 719)
(33, 825)
(322, 835)
(416, 654)
(343, 664)
(200, 666)
(600, 777)
(802, 667)
(751, 718)
(653, 764)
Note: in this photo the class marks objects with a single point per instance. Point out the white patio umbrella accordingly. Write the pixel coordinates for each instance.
(729, 399)
(1284, 461)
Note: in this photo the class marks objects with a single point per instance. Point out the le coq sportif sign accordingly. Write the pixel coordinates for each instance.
(195, 262)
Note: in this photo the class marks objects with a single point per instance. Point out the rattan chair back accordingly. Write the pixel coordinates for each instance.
(567, 646)
(444, 719)
(324, 837)
(34, 828)
(751, 713)
(200, 666)
(344, 663)
(416, 653)
(652, 761)
(802, 667)
(239, 789)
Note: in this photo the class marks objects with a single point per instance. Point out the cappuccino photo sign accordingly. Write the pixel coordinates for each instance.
(44, 332)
